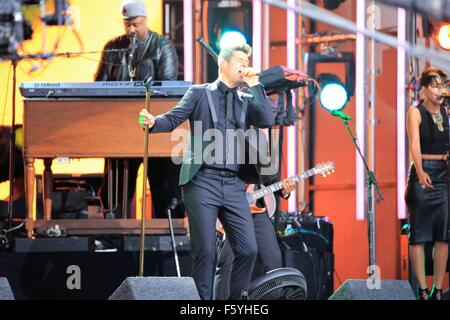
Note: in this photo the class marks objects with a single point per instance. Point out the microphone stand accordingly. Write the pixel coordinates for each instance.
(371, 184)
(12, 143)
(172, 236)
(145, 161)
(15, 58)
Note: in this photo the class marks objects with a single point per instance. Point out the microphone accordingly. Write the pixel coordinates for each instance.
(252, 73)
(147, 81)
(443, 95)
(341, 115)
(133, 47)
(133, 41)
(208, 48)
(173, 203)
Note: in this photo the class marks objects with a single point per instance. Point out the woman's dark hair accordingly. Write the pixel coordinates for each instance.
(431, 74)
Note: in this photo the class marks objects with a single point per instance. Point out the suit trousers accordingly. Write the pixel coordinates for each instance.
(269, 255)
(208, 196)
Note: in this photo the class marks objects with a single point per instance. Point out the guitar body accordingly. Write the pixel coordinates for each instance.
(269, 200)
(271, 204)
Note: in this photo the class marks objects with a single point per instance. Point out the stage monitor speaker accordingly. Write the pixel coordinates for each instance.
(389, 290)
(156, 288)
(5, 290)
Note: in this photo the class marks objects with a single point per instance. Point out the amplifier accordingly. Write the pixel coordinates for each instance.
(307, 245)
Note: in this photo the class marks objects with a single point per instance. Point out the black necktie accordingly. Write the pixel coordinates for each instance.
(229, 110)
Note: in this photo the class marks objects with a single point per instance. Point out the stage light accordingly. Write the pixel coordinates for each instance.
(333, 95)
(441, 35)
(218, 19)
(232, 38)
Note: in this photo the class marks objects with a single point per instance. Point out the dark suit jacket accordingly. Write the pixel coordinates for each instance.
(200, 105)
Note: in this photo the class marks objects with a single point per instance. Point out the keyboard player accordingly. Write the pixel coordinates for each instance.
(132, 56)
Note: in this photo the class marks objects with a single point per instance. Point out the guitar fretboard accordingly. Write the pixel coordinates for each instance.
(279, 185)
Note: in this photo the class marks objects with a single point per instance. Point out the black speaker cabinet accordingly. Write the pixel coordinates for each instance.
(388, 290)
(156, 288)
(5, 290)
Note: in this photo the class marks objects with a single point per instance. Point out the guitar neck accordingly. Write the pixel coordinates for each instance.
(265, 190)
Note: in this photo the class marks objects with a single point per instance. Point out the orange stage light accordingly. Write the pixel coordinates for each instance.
(441, 35)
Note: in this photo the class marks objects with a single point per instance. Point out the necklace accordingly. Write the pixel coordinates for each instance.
(438, 120)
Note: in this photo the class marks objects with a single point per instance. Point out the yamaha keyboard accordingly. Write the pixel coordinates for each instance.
(102, 89)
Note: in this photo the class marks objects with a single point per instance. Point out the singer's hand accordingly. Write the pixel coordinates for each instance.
(146, 118)
(250, 76)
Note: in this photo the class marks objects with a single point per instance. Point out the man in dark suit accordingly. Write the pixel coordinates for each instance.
(212, 174)
(269, 252)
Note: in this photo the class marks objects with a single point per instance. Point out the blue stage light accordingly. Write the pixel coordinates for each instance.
(231, 39)
(334, 95)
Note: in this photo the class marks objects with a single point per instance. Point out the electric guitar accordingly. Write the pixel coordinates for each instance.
(267, 192)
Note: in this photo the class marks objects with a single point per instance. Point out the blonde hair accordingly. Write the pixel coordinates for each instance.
(226, 53)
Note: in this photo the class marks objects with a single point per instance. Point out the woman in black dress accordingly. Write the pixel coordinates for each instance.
(428, 185)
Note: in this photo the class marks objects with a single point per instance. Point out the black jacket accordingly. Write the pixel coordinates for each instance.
(155, 56)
